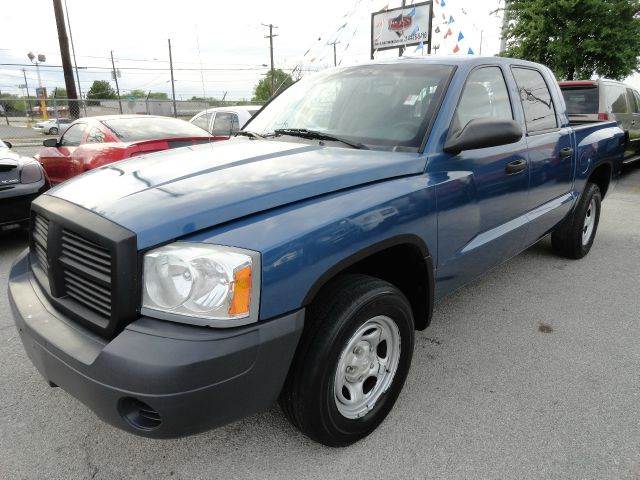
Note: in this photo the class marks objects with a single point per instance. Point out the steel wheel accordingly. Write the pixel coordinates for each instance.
(367, 366)
(589, 222)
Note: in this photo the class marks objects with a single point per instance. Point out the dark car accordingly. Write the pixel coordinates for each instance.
(21, 180)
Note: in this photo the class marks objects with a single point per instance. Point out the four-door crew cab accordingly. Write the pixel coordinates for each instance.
(175, 292)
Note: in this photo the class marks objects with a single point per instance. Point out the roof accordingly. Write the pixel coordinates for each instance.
(236, 109)
(456, 60)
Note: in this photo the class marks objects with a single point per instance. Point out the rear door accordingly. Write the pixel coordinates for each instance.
(550, 152)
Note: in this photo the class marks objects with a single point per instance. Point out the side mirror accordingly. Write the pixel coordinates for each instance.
(483, 133)
(8, 144)
(50, 142)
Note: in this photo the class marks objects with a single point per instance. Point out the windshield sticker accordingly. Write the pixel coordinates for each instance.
(411, 100)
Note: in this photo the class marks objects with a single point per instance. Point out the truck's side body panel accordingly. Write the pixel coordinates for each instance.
(300, 242)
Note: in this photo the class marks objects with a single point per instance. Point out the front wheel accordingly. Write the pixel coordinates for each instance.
(352, 360)
(574, 237)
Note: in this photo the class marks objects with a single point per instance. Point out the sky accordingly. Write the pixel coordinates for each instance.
(224, 39)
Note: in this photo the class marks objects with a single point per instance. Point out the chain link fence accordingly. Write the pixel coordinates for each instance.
(18, 116)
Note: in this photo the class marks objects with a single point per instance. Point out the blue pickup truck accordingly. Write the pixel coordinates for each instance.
(175, 292)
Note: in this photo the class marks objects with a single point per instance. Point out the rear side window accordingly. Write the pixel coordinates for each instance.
(539, 112)
(616, 98)
(581, 100)
(485, 95)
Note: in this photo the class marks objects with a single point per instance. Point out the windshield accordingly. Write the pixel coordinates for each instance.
(383, 105)
(133, 129)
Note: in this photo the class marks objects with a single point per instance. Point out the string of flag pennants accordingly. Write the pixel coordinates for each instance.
(445, 29)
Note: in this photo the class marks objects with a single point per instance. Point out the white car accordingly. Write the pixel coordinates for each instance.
(54, 126)
(224, 121)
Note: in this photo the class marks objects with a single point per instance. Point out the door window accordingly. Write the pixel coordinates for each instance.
(539, 111)
(73, 136)
(202, 121)
(485, 95)
(225, 124)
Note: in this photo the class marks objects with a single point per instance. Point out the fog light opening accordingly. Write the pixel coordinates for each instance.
(138, 414)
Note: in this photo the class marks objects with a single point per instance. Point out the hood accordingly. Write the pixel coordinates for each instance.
(176, 192)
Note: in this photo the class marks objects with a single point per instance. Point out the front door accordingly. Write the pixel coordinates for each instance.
(57, 161)
(482, 206)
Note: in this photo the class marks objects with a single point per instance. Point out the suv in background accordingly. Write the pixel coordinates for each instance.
(223, 122)
(54, 126)
(598, 100)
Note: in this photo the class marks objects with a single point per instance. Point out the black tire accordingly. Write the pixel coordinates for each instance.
(341, 308)
(567, 239)
(53, 131)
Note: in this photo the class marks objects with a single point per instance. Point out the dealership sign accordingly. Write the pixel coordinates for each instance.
(401, 27)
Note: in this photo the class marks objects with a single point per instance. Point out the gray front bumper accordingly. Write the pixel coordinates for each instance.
(194, 378)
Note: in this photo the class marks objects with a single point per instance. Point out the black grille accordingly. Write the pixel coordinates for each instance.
(86, 265)
(86, 272)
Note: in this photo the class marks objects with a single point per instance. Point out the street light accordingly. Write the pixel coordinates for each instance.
(40, 92)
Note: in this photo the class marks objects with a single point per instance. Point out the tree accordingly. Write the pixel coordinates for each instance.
(576, 38)
(137, 93)
(262, 91)
(101, 89)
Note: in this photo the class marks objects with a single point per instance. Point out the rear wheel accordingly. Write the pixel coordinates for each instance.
(575, 236)
(352, 360)
(53, 131)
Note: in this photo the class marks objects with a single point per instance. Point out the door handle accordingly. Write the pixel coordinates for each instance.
(566, 152)
(516, 166)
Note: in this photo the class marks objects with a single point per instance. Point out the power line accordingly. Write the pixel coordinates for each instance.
(96, 67)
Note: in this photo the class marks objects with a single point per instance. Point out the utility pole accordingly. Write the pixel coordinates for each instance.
(335, 58)
(270, 37)
(73, 52)
(115, 77)
(26, 86)
(401, 49)
(505, 26)
(173, 86)
(69, 81)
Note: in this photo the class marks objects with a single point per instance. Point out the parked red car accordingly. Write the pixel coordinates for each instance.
(96, 141)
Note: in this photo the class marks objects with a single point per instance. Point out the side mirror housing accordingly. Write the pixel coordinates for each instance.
(50, 142)
(8, 144)
(483, 133)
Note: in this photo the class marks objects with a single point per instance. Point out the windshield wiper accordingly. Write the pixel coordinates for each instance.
(247, 133)
(314, 134)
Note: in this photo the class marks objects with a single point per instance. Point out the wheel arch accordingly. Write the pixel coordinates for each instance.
(403, 260)
(601, 176)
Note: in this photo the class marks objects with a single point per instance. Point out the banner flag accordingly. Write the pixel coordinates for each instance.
(460, 36)
(456, 49)
(470, 52)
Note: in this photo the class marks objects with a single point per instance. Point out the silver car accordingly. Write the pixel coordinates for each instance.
(53, 126)
(601, 100)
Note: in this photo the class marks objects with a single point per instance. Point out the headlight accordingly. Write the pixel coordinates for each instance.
(31, 173)
(201, 284)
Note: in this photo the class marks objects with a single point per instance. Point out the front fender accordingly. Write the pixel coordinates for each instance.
(301, 244)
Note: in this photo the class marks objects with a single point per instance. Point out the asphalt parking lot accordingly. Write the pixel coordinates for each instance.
(531, 372)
